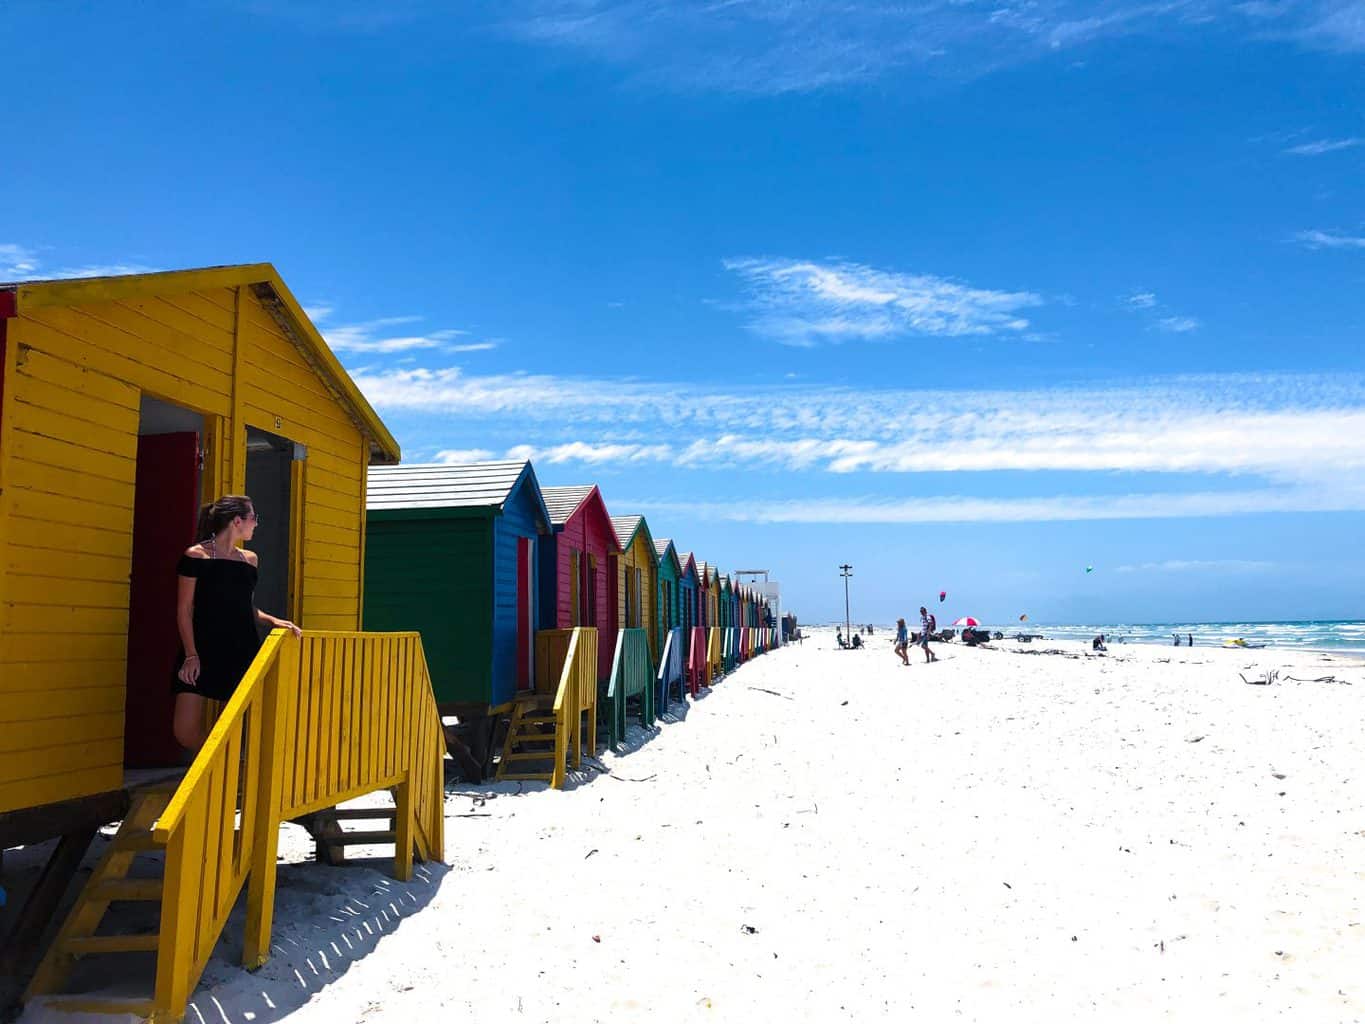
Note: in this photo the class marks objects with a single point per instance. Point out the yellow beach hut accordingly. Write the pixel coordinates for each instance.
(125, 402)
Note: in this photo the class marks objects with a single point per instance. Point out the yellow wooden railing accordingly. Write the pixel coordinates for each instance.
(566, 665)
(314, 722)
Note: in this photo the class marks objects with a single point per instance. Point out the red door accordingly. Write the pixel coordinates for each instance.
(525, 637)
(165, 508)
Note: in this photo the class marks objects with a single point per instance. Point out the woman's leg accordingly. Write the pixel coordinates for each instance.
(188, 724)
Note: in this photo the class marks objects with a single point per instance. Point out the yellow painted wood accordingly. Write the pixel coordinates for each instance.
(42, 733)
(33, 707)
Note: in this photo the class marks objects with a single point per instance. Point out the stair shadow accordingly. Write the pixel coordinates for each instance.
(326, 920)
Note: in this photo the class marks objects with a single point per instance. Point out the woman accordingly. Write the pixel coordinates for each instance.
(215, 614)
(902, 642)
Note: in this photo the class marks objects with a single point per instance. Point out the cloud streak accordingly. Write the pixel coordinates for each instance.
(1329, 240)
(803, 302)
(1319, 147)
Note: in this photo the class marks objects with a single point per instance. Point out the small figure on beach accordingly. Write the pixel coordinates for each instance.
(902, 642)
(1189, 638)
(857, 641)
(1098, 643)
(926, 626)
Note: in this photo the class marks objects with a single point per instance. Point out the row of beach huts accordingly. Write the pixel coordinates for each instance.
(446, 608)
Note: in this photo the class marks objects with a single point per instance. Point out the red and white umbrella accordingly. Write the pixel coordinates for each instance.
(966, 620)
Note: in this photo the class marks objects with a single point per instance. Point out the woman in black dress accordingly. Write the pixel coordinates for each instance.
(216, 615)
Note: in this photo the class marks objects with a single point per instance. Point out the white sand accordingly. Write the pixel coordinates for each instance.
(1000, 836)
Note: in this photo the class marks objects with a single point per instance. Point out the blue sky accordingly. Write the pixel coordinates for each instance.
(969, 295)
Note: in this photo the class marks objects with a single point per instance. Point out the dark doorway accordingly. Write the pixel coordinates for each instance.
(165, 509)
(269, 484)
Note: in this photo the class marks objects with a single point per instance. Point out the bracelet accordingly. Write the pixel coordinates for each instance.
(191, 657)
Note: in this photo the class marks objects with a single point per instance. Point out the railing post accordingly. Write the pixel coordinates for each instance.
(281, 685)
(402, 829)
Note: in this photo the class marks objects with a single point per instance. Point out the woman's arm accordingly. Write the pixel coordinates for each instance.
(277, 623)
(184, 621)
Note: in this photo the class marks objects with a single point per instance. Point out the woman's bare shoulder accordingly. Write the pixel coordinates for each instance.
(196, 551)
(250, 556)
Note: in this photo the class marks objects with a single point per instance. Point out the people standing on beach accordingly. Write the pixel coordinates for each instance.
(216, 615)
(902, 642)
(924, 631)
(1189, 638)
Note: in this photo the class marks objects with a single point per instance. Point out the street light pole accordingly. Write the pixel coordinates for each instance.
(846, 571)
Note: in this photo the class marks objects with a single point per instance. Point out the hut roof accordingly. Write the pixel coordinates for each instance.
(264, 280)
(626, 528)
(563, 502)
(661, 547)
(480, 486)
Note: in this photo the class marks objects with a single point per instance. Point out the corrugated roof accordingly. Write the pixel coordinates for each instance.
(704, 573)
(683, 558)
(661, 546)
(562, 502)
(625, 527)
(439, 485)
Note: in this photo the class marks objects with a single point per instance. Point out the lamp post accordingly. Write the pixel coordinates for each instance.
(846, 571)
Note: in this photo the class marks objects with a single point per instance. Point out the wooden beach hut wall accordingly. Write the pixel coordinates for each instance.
(672, 639)
(694, 635)
(636, 571)
(577, 557)
(687, 590)
(454, 551)
(124, 403)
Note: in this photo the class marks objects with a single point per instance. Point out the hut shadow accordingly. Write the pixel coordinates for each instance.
(326, 920)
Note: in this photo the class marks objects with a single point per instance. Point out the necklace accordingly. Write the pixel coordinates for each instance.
(213, 550)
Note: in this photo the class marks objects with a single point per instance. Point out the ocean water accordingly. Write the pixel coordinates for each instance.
(1318, 635)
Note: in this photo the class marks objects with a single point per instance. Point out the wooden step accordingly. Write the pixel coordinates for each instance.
(362, 814)
(375, 838)
(526, 776)
(86, 944)
(128, 889)
(141, 1008)
(529, 755)
(140, 841)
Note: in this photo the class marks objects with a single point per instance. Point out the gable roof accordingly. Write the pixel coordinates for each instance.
(684, 560)
(269, 289)
(666, 551)
(478, 487)
(626, 527)
(563, 502)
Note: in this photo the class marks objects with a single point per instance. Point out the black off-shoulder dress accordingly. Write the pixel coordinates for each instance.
(224, 624)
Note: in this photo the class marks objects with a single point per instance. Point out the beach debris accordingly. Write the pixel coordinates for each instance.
(589, 853)
(1265, 679)
(843, 703)
(1007, 885)
(627, 778)
(761, 689)
(1195, 737)
(1319, 679)
(748, 929)
(597, 938)
(1278, 775)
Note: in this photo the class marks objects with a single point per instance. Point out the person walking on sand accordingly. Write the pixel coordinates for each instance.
(902, 642)
(215, 614)
(924, 630)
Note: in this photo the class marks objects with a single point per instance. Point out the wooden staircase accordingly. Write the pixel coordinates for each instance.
(109, 883)
(528, 752)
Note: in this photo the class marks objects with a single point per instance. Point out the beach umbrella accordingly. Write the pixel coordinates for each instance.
(966, 620)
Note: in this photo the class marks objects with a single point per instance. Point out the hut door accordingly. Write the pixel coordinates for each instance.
(525, 631)
(165, 507)
(270, 485)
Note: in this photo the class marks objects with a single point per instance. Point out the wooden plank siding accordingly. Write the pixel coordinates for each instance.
(74, 378)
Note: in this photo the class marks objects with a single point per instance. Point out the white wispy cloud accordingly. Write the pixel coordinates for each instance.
(23, 263)
(593, 454)
(778, 46)
(1059, 508)
(803, 302)
(1161, 318)
(380, 337)
(1329, 240)
(459, 456)
(1320, 146)
(1198, 565)
(1284, 428)
(1177, 324)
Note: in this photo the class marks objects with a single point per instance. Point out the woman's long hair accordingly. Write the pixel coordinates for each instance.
(216, 515)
